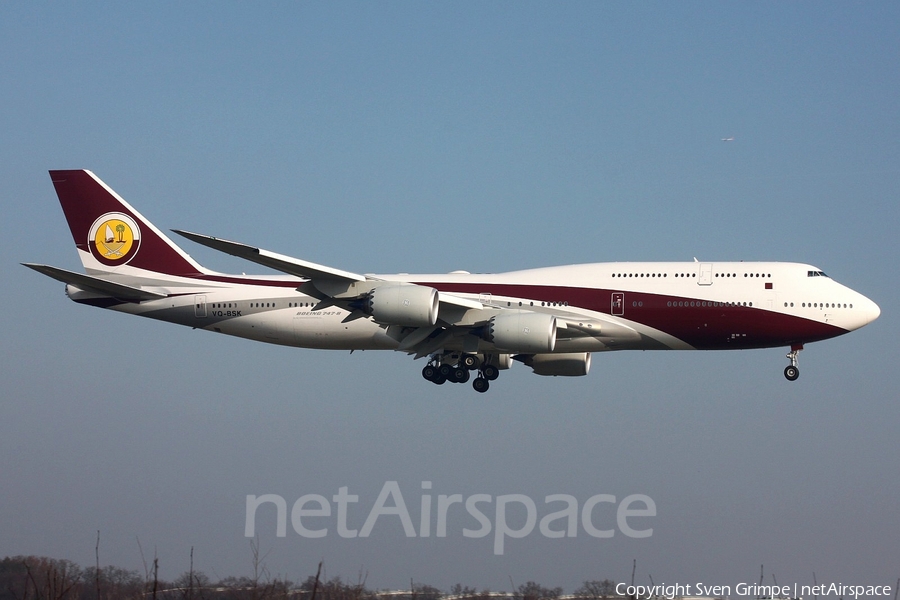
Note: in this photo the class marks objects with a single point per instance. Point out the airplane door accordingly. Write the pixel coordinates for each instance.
(199, 306)
(618, 304)
(705, 274)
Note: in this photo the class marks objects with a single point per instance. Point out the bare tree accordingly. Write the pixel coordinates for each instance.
(534, 591)
(597, 590)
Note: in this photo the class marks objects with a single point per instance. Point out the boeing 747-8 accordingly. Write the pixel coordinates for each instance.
(550, 319)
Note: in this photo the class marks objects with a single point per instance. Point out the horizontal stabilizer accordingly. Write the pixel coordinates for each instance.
(96, 285)
(279, 262)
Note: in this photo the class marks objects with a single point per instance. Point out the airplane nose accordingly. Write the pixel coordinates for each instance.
(864, 312)
(873, 312)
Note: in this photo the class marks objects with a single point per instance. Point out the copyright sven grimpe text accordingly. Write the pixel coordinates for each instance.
(676, 590)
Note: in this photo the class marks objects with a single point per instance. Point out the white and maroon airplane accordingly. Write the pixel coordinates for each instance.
(550, 318)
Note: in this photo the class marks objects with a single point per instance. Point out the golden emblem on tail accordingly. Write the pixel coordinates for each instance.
(114, 239)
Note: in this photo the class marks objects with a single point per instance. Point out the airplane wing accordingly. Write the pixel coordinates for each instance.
(279, 262)
(327, 281)
(95, 284)
(458, 321)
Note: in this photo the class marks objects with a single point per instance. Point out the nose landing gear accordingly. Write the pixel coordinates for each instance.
(792, 371)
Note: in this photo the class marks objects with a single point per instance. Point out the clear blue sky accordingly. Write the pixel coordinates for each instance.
(431, 137)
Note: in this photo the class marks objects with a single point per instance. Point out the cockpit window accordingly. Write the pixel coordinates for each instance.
(816, 274)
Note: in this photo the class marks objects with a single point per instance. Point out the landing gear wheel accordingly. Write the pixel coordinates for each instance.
(468, 362)
(481, 385)
(460, 375)
(445, 370)
(792, 372)
(439, 379)
(429, 372)
(490, 372)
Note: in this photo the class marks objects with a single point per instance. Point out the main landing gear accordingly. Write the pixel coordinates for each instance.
(792, 371)
(439, 372)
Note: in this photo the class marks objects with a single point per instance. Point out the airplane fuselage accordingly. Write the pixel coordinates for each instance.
(672, 305)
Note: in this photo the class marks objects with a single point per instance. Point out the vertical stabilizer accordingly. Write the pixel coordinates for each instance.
(110, 234)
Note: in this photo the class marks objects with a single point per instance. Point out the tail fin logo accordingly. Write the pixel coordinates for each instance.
(114, 239)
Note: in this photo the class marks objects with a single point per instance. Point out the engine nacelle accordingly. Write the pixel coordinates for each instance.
(501, 361)
(403, 304)
(571, 364)
(522, 332)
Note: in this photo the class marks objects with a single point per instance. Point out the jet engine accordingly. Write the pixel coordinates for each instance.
(501, 361)
(522, 332)
(403, 304)
(572, 364)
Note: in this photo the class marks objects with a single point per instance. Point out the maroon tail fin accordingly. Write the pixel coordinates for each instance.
(109, 233)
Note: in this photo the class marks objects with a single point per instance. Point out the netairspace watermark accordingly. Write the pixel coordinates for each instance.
(677, 590)
(313, 515)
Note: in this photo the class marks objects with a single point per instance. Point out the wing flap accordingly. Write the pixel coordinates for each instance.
(609, 329)
(415, 338)
(454, 300)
